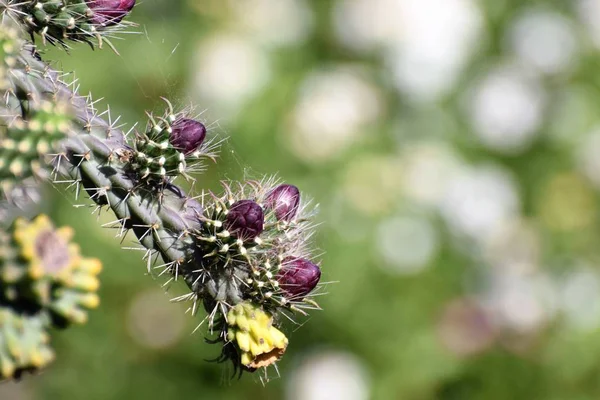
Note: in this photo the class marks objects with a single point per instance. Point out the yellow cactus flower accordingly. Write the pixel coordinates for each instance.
(252, 330)
(43, 257)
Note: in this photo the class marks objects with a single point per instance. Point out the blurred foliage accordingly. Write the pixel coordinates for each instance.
(460, 227)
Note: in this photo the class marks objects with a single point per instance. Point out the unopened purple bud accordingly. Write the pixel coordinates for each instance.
(284, 199)
(187, 135)
(245, 219)
(298, 276)
(109, 12)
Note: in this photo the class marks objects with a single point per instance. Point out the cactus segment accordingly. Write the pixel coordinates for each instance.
(252, 262)
(172, 146)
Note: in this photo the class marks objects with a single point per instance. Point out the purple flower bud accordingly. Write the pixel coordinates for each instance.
(187, 135)
(245, 219)
(109, 12)
(298, 276)
(284, 199)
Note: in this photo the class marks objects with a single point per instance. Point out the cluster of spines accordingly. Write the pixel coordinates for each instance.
(61, 21)
(281, 230)
(173, 145)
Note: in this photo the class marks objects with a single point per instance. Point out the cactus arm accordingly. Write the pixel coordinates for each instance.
(91, 157)
(247, 246)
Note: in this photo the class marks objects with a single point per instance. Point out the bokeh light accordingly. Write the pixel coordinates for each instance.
(327, 374)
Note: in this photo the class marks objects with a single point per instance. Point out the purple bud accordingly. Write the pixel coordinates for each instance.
(245, 219)
(109, 12)
(298, 276)
(284, 199)
(187, 135)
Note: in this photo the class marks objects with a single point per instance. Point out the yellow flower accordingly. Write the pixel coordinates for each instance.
(252, 330)
(24, 343)
(43, 259)
(47, 250)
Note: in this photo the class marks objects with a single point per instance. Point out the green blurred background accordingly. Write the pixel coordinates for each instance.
(454, 149)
